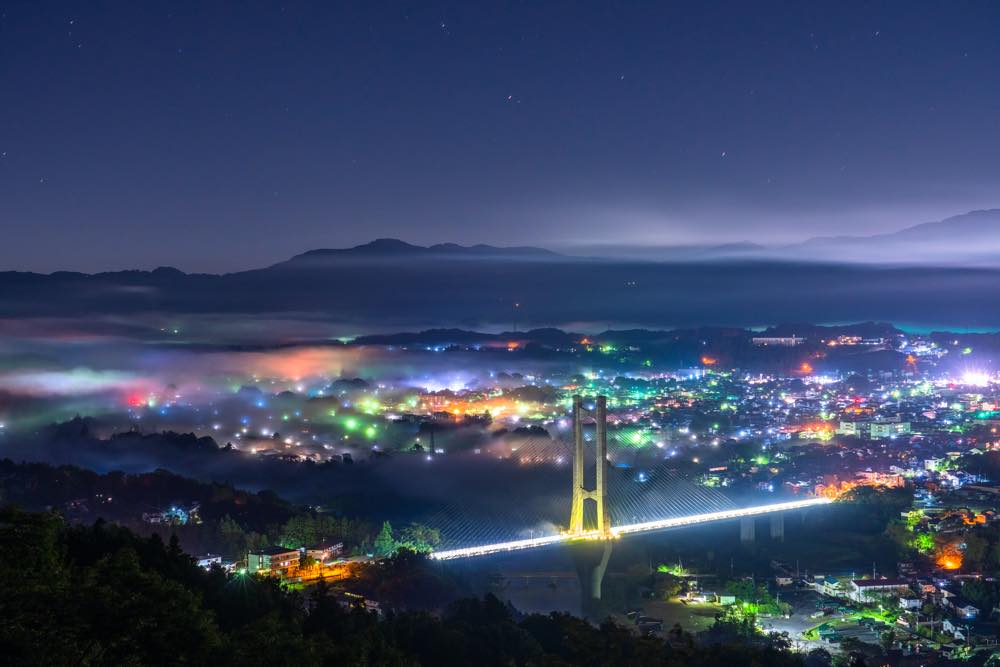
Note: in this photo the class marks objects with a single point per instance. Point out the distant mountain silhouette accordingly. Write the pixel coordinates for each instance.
(970, 227)
(389, 283)
(396, 249)
(969, 239)
(967, 227)
(972, 238)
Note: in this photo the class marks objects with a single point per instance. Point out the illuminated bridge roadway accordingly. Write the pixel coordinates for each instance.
(597, 499)
(617, 531)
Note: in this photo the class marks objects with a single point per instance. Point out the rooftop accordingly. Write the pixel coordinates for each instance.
(273, 551)
(876, 583)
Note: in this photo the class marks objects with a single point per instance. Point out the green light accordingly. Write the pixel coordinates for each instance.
(370, 431)
(350, 423)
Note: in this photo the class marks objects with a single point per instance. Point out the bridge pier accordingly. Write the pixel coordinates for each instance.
(778, 526)
(590, 558)
(748, 530)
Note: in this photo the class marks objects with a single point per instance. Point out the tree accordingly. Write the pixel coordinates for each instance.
(859, 653)
(101, 595)
(819, 657)
(742, 589)
(923, 542)
(667, 586)
(887, 639)
(985, 595)
(420, 538)
(913, 519)
(735, 622)
(385, 545)
(298, 532)
(976, 548)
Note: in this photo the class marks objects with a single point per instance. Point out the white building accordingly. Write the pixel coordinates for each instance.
(868, 590)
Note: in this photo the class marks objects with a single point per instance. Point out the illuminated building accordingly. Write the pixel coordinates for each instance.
(889, 429)
(778, 341)
(272, 560)
(851, 428)
(208, 560)
(866, 590)
(324, 552)
(876, 430)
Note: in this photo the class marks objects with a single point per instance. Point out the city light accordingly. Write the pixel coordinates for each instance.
(975, 379)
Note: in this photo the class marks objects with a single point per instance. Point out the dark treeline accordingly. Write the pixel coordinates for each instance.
(231, 520)
(345, 489)
(40, 486)
(101, 595)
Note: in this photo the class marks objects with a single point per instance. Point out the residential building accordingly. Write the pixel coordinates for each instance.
(866, 590)
(272, 560)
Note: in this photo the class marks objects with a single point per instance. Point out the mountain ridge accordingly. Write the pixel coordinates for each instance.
(395, 248)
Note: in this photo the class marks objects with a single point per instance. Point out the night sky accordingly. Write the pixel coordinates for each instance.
(220, 136)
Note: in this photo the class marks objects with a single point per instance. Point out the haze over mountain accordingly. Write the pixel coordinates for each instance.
(390, 283)
(973, 238)
(969, 239)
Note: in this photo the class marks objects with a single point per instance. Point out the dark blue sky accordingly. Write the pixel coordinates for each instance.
(218, 136)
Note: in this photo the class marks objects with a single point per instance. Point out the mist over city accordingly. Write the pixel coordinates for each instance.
(501, 334)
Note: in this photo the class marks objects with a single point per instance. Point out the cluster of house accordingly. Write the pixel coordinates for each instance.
(952, 519)
(278, 561)
(832, 486)
(952, 615)
(175, 515)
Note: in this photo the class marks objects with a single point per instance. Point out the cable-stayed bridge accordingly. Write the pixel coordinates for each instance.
(605, 502)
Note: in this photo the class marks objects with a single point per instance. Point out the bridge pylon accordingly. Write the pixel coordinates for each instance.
(599, 494)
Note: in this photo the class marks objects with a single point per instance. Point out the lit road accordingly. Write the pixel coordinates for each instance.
(627, 529)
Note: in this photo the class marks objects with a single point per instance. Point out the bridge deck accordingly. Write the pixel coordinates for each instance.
(627, 529)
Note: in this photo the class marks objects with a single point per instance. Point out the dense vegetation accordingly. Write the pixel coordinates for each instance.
(102, 595)
(231, 520)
